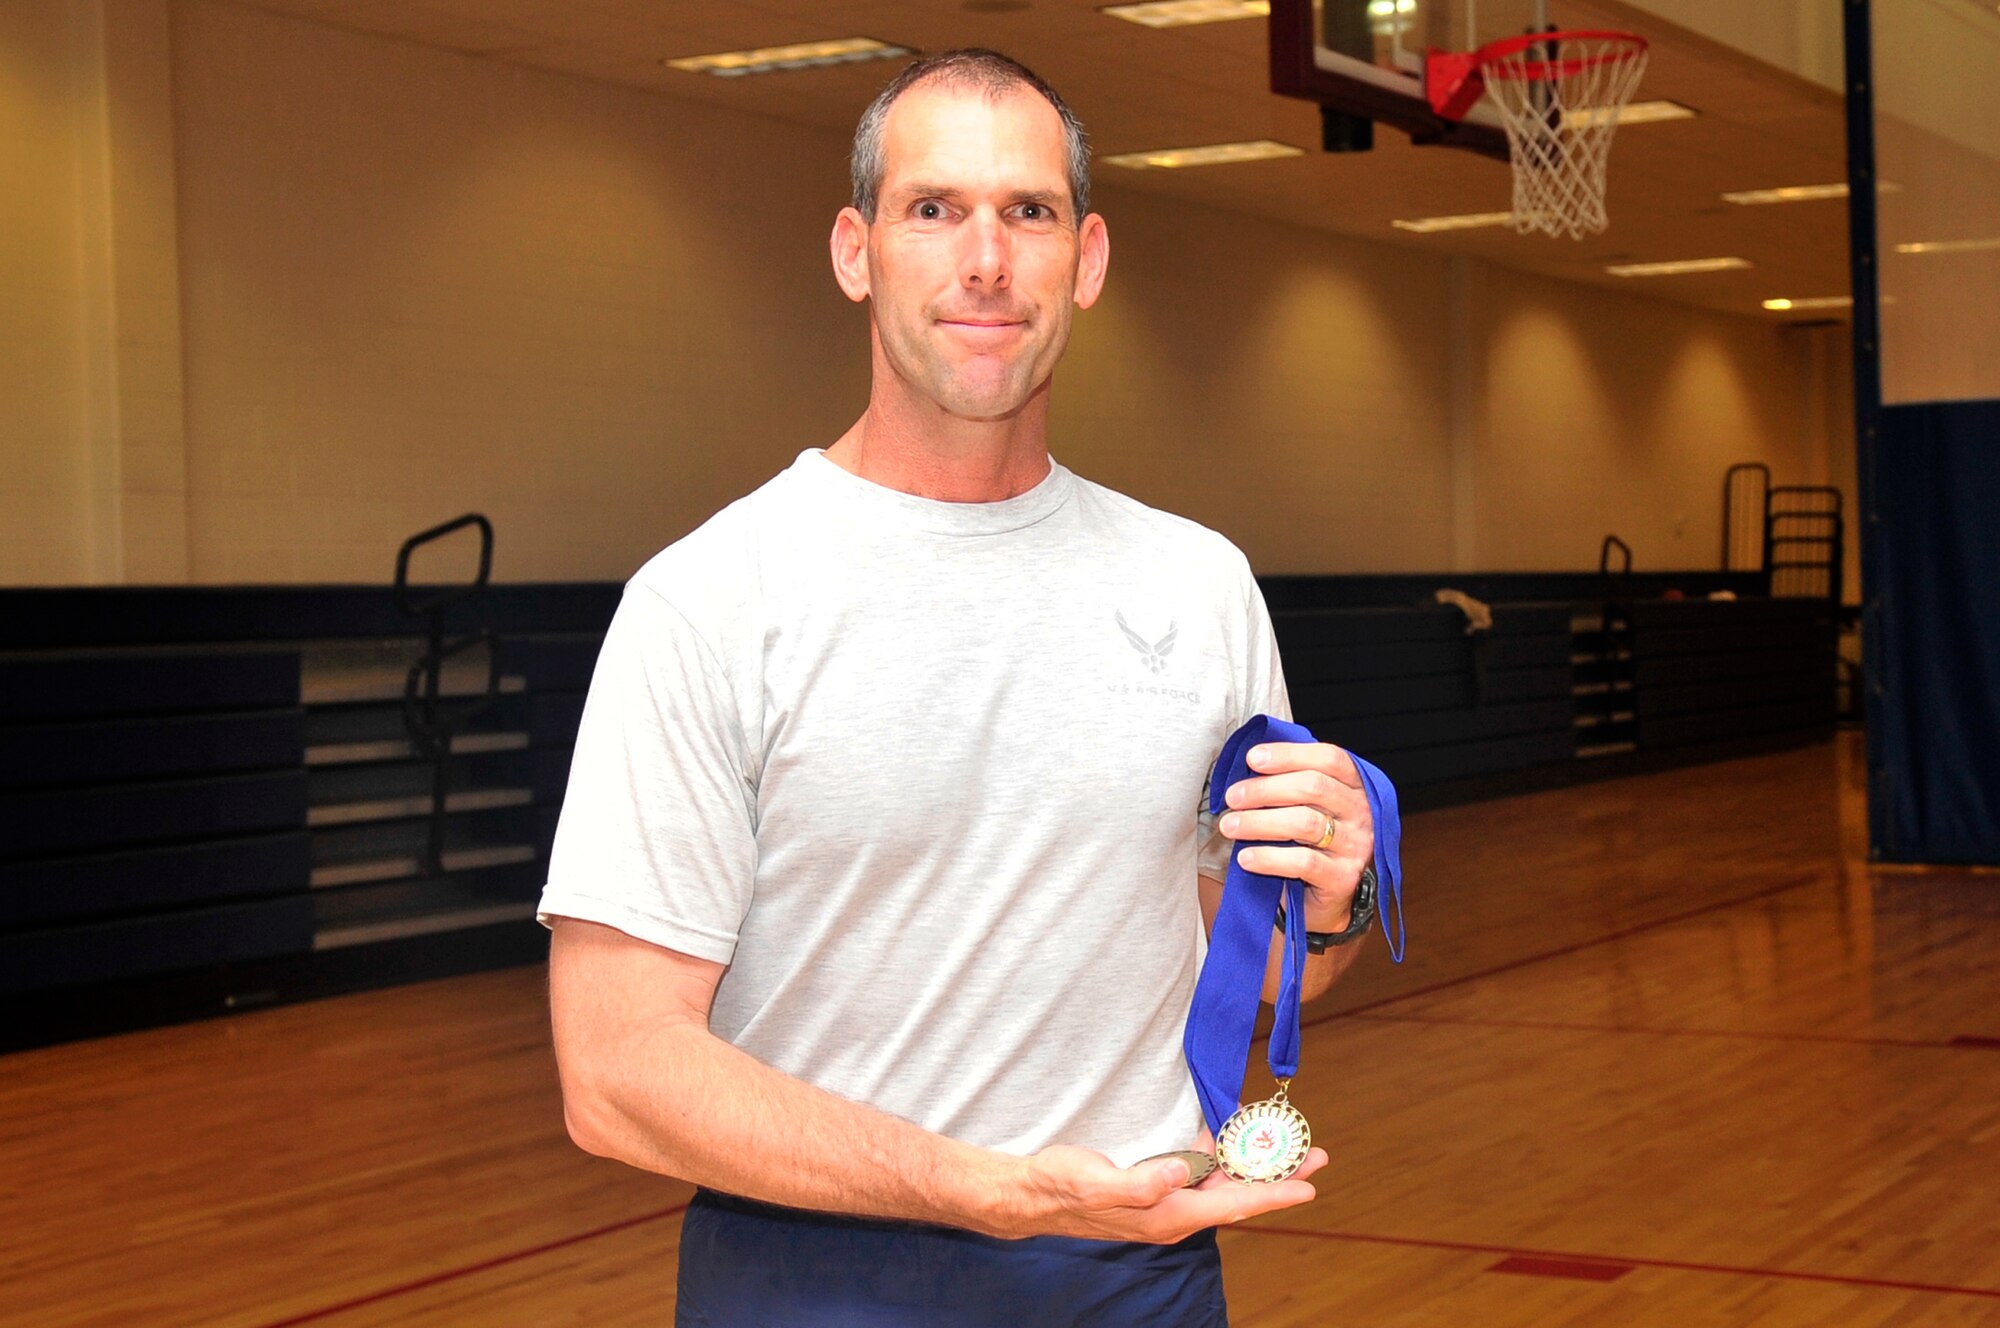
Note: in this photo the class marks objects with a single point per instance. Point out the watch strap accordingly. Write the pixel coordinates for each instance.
(1360, 917)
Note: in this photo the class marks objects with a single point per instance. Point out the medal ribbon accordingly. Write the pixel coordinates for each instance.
(1224, 1013)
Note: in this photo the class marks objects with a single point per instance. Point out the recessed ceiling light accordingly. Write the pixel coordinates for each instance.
(802, 55)
(1810, 302)
(1469, 221)
(1802, 193)
(1216, 154)
(1183, 13)
(1638, 112)
(1679, 267)
(1949, 246)
(1791, 193)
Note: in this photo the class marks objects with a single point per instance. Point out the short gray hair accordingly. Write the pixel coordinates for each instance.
(974, 66)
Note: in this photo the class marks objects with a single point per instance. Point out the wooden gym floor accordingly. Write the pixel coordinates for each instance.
(1666, 1051)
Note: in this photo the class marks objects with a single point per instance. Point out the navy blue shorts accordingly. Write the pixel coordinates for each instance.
(751, 1265)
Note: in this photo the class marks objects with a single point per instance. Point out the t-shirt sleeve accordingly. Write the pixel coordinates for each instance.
(1262, 692)
(657, 835)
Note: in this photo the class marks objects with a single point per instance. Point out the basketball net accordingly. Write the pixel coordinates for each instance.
(1559, 95)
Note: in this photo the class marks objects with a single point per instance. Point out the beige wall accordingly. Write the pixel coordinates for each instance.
(45, 481)
(1607, 414)
(412, 283)
(1285, 386)
(90, 406)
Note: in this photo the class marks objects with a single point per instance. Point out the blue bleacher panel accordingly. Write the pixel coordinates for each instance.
(144, 945)
(151, 879)
(149, 746)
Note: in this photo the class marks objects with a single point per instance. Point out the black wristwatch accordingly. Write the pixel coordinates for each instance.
(1360, 917)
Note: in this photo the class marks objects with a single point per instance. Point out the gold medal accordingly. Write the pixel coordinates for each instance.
(1265, 1141)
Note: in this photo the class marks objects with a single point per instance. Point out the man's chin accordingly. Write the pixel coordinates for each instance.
(987, 407)
(992, 391)
(982, 397)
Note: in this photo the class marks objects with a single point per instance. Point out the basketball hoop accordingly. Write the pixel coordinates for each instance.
(1559, 95)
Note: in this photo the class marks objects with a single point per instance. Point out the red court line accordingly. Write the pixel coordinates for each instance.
(1933, 1044)
(1572, 948)
(1577, 1270)
(437, 1279)
(1974, 1040)
(1635, 1261)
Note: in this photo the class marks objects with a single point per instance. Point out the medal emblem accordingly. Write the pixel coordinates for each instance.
(1265, 1141)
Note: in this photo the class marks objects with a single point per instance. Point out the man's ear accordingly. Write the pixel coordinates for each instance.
(1093, 259)
(850, 254)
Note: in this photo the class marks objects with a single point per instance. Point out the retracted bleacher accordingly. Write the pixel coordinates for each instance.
(209, 798)
(1569, 683)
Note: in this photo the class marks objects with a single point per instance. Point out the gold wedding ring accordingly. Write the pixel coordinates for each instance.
(1332, 829)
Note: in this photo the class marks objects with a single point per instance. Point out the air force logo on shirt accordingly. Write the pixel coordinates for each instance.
(1154, 656)
(1154, 653)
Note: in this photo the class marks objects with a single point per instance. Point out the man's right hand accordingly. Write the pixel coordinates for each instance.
(1078, 1192)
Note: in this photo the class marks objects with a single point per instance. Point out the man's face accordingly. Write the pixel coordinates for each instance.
(972, 260)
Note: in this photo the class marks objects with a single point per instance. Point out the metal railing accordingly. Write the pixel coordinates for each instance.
(431, 719)
(1805, 539)
(1795, 534)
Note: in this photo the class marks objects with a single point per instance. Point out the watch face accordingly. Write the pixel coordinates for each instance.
(1362, 911)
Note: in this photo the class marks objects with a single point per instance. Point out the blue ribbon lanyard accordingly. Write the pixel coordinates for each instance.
(1226, 996)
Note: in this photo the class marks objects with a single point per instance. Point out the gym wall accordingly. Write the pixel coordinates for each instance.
(91, 450)
(283, 294)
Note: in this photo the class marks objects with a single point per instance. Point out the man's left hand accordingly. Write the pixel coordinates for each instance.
(1307, 793)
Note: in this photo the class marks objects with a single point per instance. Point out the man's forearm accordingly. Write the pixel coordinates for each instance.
(690, 1105)
(1321, 969)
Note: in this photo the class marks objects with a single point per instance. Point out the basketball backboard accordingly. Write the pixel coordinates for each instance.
(1363, 62)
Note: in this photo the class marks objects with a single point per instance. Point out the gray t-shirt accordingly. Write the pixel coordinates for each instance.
(926, 776)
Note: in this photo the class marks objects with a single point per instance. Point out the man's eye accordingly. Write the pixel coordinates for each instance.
(1034, 212)
(930, 211)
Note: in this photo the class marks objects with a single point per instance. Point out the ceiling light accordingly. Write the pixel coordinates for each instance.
(1949, 246)
(1638, 112)
(1470, 221)
(803, 55)
(1802, 193)
(1184, 13)
(1217, 154)
(1791, 193)
(1680, 267)
(1810, 302)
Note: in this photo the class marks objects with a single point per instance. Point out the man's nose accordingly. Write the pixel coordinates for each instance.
(987, 262)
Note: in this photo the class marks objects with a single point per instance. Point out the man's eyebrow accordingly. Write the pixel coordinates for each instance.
(919, 189)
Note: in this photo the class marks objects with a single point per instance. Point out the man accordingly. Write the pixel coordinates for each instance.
(876, 890)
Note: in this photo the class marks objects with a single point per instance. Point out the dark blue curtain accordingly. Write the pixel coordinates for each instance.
(1934, 703)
